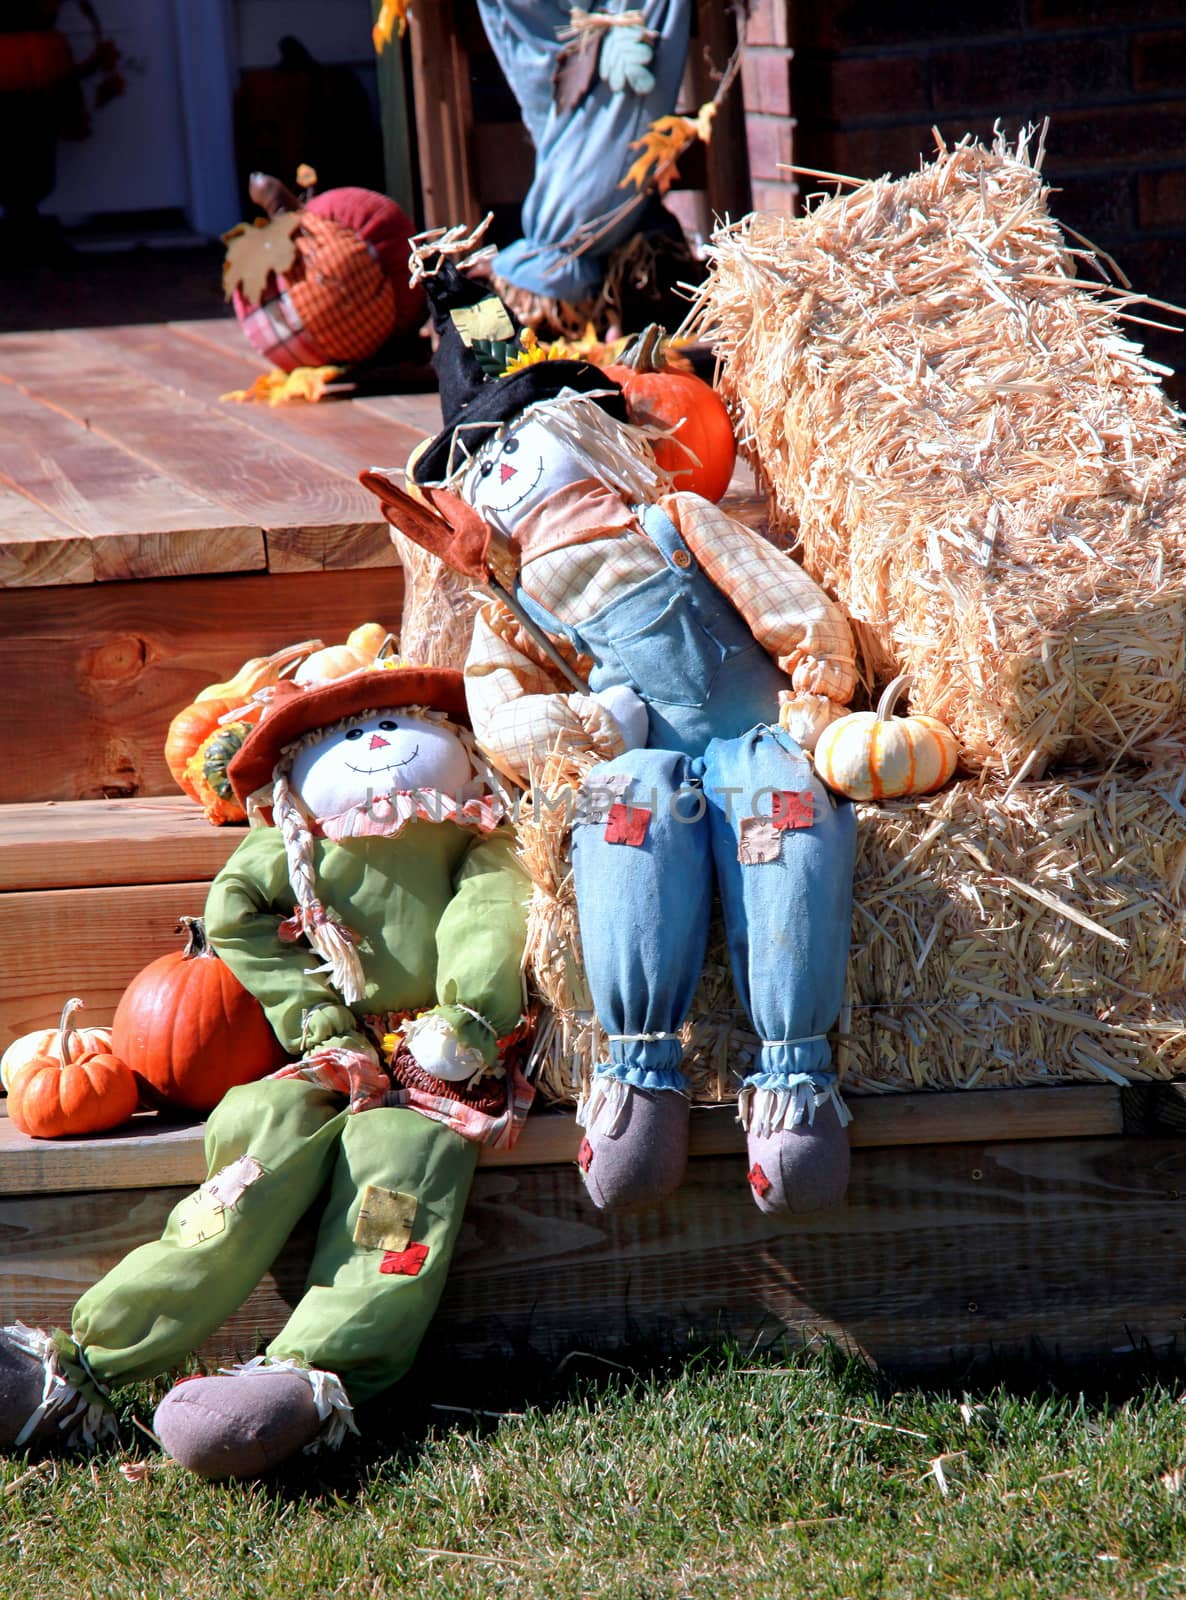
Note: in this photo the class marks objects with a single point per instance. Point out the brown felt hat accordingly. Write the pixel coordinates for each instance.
(295, 711)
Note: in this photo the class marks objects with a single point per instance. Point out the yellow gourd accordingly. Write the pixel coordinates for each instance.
(873, 755)
(361, 651)
(257, 673)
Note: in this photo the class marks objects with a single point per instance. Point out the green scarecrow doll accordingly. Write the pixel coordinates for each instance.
(378, 913)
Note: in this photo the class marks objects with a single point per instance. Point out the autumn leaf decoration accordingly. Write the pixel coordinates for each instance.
(661, 146)
(255, 250)
(277, 388)
(391, 22)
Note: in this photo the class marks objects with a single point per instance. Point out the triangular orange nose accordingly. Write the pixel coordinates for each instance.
(378, 742)
(507, 472)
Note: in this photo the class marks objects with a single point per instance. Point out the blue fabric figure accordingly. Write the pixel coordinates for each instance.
(709, 663)
(582, 152)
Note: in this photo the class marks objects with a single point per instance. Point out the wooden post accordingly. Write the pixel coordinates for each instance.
(444, 115)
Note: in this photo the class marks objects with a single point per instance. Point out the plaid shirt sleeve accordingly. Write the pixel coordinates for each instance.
(520, 710)
(789, 614)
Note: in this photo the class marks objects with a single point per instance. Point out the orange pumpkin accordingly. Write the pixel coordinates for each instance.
(71, 1088)
(189, 1029)
(660, 396)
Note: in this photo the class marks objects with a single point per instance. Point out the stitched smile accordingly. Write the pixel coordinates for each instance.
(392, 766)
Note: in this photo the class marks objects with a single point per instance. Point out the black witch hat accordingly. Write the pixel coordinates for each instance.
(477, 338)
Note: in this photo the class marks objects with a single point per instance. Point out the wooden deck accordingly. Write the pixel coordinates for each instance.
(152, 537)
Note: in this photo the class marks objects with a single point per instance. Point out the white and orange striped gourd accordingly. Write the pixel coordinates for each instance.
(873, 755)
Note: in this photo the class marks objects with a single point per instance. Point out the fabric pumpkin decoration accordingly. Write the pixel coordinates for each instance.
(873, 755)
(70, 1085)
(190, 1030)
(659, 395)
(46, 1042)
(324, 283)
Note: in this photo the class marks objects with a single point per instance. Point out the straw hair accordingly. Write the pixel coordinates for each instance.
(973, 456)
(619, 453)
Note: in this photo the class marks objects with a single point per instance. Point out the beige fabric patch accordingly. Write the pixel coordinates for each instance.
(228, 1185)
(760, 842)
(487, 320)
(201, 1217)
(385, 1219)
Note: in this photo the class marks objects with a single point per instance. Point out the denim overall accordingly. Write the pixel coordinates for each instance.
(713, 762)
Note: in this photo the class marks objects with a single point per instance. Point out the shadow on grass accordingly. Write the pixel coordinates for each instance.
(477, 1398)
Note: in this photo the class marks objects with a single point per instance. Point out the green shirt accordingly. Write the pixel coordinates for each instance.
(441, 913)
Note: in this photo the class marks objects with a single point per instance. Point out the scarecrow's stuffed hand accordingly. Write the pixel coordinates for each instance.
(628, 711)
(433, 1044)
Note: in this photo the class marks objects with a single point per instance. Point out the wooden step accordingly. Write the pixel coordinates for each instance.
(151, 1152)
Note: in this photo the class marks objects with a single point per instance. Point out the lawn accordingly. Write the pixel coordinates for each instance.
(723, 1474)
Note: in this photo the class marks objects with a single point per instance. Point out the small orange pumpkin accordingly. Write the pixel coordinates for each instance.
(71, 1089)
(873, 755)
(661, 396)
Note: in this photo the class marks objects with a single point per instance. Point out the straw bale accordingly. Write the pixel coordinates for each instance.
(439, 607)
(971, 454)
(1003, 934)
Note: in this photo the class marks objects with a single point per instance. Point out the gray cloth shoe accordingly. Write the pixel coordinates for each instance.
(238, 1425)
(635, 1149)
(799, 1168)
(38, 1403)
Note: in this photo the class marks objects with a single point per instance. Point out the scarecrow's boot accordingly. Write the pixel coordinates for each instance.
(243, 1423)
(38, 1402)
(635, 1149)
(796, 1147)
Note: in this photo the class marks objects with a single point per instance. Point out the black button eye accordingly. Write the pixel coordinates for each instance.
(486, 469)
(510, 447)
(354, 733)
(388, 726)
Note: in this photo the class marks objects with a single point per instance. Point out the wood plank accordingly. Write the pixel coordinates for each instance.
(942, 1254)
(107, 666)
(68, 844)
(138, 519)
(37, 548)
(150, 1152)
(85, 942)
(254, 480)
(419, 410)
(339, 433)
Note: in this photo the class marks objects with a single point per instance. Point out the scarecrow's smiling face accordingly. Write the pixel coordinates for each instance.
(513, 471)
(378, 753)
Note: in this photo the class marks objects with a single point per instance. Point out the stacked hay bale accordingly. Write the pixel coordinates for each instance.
(968, 452)
(962, 445)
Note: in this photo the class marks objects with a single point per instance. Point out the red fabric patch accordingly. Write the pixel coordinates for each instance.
(627, 824)
(406, 1262)
(585, 1155)
(793, 808)
(758, 1181)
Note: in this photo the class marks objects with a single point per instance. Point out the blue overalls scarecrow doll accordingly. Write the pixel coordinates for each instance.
(710, 663)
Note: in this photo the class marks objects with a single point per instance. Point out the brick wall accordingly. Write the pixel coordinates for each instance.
(867, 80)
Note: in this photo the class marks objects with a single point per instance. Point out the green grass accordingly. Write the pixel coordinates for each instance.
(722, 1475)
